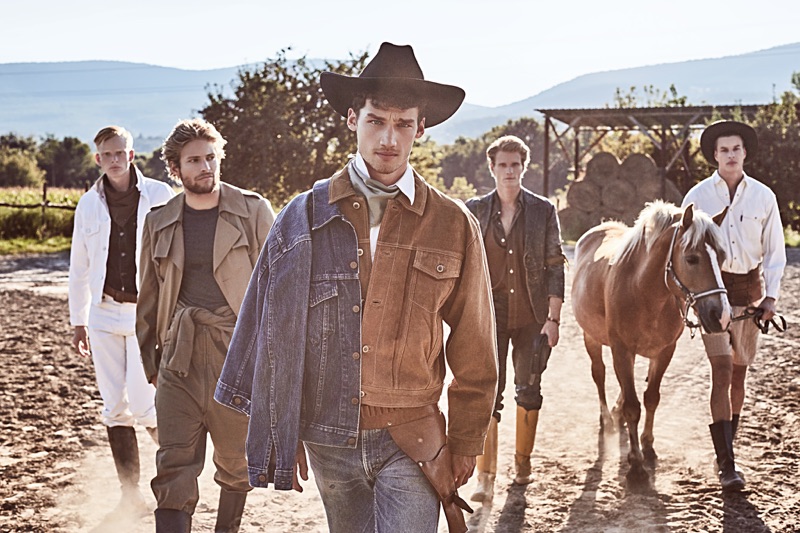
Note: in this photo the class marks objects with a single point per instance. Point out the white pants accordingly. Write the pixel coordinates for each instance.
(127, 396)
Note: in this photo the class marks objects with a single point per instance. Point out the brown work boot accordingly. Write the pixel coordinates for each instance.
(526, 436)
(486, 465)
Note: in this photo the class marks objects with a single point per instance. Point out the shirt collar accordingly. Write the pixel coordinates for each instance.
(405, 183)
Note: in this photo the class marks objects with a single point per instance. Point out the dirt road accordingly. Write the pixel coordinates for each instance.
(56, 473)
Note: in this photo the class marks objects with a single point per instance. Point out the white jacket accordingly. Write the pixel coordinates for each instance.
(90, 237)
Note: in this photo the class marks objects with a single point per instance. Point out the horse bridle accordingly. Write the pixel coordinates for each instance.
(691, 297)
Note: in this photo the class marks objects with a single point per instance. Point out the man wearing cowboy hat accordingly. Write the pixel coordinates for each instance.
(339, 348)
(755, 250)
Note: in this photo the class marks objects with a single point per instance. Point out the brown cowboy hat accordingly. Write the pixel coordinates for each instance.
(723, 128)
(393, 67)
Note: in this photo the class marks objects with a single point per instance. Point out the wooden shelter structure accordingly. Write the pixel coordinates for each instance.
(668, 128)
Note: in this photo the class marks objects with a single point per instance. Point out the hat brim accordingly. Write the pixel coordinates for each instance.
(441, 101)
(708, 140)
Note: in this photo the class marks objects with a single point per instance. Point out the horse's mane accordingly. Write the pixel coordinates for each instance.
(656, 218)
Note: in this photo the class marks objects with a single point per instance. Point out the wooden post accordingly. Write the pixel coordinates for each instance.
(44, 207)
(546, 173)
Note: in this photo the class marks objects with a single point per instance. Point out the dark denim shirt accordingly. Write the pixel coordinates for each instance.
(307, 387)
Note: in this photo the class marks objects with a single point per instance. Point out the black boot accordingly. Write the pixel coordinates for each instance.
(173, 521)
(229, 515)
(722, 435)
(125, 451)
(734, 427)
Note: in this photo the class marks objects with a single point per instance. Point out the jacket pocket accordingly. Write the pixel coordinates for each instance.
(323, 308)
(433, 278)
(752, 227)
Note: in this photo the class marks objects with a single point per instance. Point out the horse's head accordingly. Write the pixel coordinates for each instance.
(697, 252)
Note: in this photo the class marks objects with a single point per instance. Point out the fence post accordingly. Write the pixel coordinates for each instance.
(44, 208)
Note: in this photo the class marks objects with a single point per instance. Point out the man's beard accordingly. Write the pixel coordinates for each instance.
(205, 187)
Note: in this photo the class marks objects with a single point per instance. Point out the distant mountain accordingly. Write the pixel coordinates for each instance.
(77, 98)
(753, 78)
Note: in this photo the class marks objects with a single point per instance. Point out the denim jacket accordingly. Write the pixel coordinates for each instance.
(295, 361)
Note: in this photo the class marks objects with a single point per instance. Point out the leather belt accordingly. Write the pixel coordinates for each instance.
(119, 296)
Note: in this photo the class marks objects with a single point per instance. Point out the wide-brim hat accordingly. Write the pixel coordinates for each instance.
(393, 68)
(723, 128)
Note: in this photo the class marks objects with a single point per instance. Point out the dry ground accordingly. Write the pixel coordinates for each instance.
(56, 473)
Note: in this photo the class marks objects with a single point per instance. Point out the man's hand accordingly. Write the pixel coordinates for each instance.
(768, 305)
(300, 466)
(550, 329)
(463, 468)
(80, 341)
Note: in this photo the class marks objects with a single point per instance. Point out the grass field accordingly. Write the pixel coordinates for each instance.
(25, 230)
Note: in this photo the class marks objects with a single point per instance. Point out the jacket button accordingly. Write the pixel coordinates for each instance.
(262, 478)
(237, 401)
(354, 401)
(356, 355)
(356, 205)
(365, 348)
(353, 265)
(439, 268)
(351, 441)
(360, 252)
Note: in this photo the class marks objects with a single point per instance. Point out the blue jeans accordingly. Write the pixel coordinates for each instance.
(374, 487)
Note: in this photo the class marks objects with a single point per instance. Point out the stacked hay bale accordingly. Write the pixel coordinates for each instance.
(611, 190)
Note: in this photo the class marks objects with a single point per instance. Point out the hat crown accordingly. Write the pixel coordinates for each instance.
(393, 61)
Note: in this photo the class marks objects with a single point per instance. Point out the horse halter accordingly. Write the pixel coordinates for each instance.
(691, 297)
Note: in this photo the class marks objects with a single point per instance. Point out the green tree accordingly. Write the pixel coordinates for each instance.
(282, 136)
(152, 166)
(467, 157)
(67, 162)
(777, 163)
(12, 140)
(18, 168)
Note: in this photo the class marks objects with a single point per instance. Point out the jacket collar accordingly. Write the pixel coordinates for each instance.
(136, 174)
(231, 200)
(341, 187)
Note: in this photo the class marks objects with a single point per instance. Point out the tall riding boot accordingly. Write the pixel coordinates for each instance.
(526, 436)
(229, 515)
(125, 451)
(734, 428)
(722, 435)
(487, 466)
(173, 521)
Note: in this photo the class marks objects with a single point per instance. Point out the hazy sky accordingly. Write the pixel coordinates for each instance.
(498, 51)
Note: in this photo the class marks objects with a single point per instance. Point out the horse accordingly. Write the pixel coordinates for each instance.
(632, 291)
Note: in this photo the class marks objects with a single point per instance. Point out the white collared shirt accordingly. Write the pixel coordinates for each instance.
(752, 227)
(406, 186)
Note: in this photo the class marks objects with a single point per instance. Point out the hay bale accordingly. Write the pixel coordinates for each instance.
(638, 168)
(668, 192)
(618, 196)
(672, 193)
(649, 190)
(602, 168)
(584, 195)
(575, 222)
